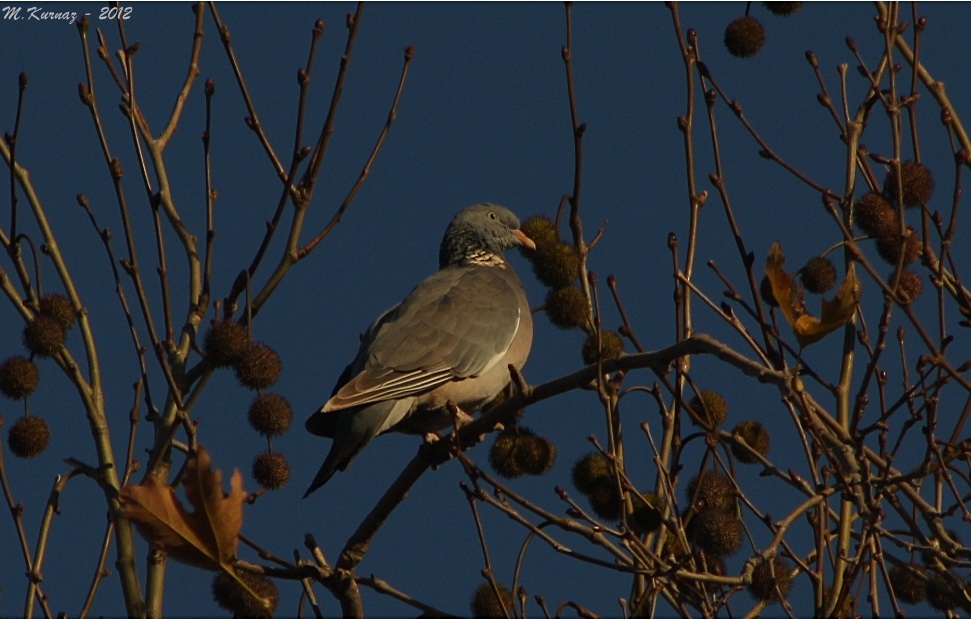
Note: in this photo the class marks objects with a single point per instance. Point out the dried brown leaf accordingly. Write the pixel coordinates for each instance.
(205, 537)
(808, 328)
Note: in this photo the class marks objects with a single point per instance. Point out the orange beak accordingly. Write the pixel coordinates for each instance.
(523, 239)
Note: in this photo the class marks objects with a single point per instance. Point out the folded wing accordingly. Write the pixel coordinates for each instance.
(456, 324)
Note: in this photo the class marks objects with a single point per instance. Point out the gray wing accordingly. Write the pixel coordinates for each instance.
(456, 324)
(320, 422)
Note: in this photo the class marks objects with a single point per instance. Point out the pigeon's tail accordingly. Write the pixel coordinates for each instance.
(324, 425)
(323, 474)
(351, 430)
(342, 451)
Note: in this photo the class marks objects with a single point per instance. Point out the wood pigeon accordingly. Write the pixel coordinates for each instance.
(451, 340)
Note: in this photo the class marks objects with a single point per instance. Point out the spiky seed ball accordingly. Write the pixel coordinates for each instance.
(232, 596)
(567, 307)
(29, 436)
(536, 455)
(518, 450)
(783, 9)
(605, 500)
(710, 408)
(874, 215)
(765, 291)
(744, 36)
(818, 274)
(715, 532)
(270, 414)
(58, 307)
(485, 604)
(765, 586)
(755, 435)
(502, 455)
(646, 516)
(909, 287)
(940, 593)
(890, 246)
(225, 342)
(909, 583)
(271, 470)
(18, 377)
(258, 367)
(541, 229)
(917, 181)
(711, 491)
(588, 470)
(611, 346)
(556, 265)
(44, 336)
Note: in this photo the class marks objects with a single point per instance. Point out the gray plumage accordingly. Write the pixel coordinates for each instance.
(451, 340)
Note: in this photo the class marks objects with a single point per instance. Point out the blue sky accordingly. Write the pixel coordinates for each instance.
(484, 117)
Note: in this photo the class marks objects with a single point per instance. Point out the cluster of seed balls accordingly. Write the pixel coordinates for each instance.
(915, 583)
(713, 526)
(713, 523)
(745, 35)
(557, 265)
(518, 450)
(875, 214)
(257, 367)
(593, 477)
(43, 336)
(715, 530)
(709, 409)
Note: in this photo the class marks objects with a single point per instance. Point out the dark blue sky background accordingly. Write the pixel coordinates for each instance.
(484, 117)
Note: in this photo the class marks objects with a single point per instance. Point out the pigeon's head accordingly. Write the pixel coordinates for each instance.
(481, 230)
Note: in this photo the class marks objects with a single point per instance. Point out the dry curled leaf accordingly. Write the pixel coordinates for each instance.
(789, 294)
(207, 536)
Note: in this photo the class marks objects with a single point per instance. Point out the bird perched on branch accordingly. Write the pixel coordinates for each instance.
(448, 344)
